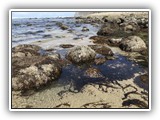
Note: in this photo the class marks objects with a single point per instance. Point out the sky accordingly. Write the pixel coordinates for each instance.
(41, 14)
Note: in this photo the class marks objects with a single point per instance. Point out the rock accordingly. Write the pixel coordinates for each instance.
(35, 76)
(102, 50)
(99, 61)
(64, 27)
(34, 70)
(85, 29)
(93, 73)
(105, 19)
(108, 29)
(99, 39)
(16, 24)
(64, 62)
(114, 42)
(29, 24)
(55, 56)
(144, 78)
(26, 50)
(143, 22)
(66, 45)
(47, 36)
(105, 31)
(129, 27)
(133, 44)
(81, 54)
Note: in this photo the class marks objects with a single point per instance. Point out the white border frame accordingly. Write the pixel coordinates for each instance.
(77, 10)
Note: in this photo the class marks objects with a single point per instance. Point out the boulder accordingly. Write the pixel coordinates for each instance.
(129, 27)
(26, 50)
(81, 54)
(33, 70)
(108, 29)
(105, 31)
(133, 44)
(102, 50)
(99, 39)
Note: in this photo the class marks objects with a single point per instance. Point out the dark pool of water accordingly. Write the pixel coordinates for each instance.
(118, 69)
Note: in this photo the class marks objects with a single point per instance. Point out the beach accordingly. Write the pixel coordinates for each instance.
(97, 60)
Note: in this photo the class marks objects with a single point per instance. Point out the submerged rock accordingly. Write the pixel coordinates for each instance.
(33, 70)
(62, 26)
(85, 29)
(93, 73)
(81, 54)
(47, 36)
(133, 44)
(99, 61)
(144, 78)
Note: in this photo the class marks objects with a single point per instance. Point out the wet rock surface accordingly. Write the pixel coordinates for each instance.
(133, 44)
(93, 73)
(81, 54)
(102, 50)
(100, 60)
(85, 29)
(31, 72)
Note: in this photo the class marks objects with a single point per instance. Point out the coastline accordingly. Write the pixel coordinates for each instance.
(124, 93)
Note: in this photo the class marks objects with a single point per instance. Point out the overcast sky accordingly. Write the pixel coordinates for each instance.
(41, 14)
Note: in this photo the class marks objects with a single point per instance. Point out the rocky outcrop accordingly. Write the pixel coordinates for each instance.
(133, 44)
(81, 54)
(30, 69)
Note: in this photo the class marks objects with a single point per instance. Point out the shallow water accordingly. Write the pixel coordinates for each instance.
(118, 69)
(29, 30)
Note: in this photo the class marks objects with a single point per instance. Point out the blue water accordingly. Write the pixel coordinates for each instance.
(27, 30)
(118, 69)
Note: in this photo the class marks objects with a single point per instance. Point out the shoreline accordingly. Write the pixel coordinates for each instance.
(123, 93)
